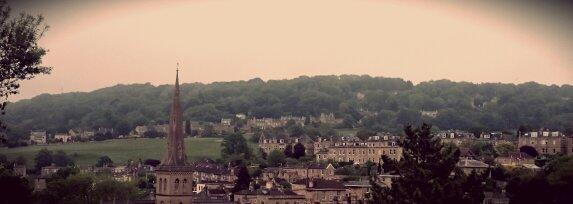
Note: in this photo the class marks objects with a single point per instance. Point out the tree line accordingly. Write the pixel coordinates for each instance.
(375, 103)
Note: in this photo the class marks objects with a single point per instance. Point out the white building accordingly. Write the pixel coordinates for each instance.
(38, 137)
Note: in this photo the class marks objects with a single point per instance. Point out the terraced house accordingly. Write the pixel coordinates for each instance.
(352, 149)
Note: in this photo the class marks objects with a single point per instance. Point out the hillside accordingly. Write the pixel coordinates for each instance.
(391, 103)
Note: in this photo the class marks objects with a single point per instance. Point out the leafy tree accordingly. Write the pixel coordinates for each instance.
(295, 130)
(152, 162)
(152, 133)
(74, 189)
(112, 190)
(276, 158)
(208, 131)
(299, 151)
(104, 161)
(363, 134)
(21, 56)
(505, 149)
(43, 158)
(243, 178)
(235, 144)
(60, 158)
(288, 151)
(529, 150)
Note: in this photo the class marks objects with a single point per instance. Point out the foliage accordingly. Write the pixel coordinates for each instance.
(288, 151)
(152, 133)
(112, 190)
(388, 105)
(152, 162)
(60, 158)
(104, 161)
(74, 189)
(299, 150)
(276, 158)
(505, 149)
(43, 158)
(529, 150)
(425, 173)
(21, 56)
(235, 145)
(15, 189)
(243, 177)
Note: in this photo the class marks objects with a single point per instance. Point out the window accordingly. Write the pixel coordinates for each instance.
(184, 185)
(176, 186)
(160, 183)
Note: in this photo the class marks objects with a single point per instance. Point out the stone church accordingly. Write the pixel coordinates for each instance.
(174, 174)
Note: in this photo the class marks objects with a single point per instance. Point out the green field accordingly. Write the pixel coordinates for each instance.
(121, 150)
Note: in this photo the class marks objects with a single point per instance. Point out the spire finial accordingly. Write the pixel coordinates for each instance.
(177, 67)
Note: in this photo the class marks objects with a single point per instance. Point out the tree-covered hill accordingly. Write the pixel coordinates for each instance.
(387, 104)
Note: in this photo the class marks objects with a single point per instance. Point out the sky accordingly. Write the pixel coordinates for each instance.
(97, 44)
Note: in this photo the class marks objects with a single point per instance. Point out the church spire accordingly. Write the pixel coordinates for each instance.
(175, 155)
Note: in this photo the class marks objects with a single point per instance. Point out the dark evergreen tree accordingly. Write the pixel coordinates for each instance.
(425, 173)
(288, 151)
(243, 177)
(299, 151)
(188, 127)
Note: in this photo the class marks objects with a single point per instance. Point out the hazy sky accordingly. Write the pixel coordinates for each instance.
(96, 44)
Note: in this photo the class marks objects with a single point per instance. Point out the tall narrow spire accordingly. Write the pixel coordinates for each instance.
(175, 155)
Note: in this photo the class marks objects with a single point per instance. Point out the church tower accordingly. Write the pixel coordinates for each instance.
(174, 175)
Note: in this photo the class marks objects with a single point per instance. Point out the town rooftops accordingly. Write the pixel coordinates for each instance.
(471, 163)
(321, 184)
(209, 166)
(269, 192)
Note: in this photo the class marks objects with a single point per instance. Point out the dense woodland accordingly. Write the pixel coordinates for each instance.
(388, 104)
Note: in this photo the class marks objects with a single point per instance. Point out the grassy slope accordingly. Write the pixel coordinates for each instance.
(120, 150)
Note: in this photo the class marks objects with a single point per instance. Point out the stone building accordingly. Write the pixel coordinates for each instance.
(350, 148)
(269, 196)
(268, 143)
(358, 191)
(469, 165)
(547, 142)
(456, 137)
(174, 175)
(321, 190)
(326, 119)
(291, 174)
(38, 137)
(207, 170)
(515, 159)
(63, 137)
(264, 123)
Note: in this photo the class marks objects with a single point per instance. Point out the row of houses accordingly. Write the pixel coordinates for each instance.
(41, 137)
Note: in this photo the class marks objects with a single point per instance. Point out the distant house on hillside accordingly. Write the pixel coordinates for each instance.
(38, 137)
(63, 137)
